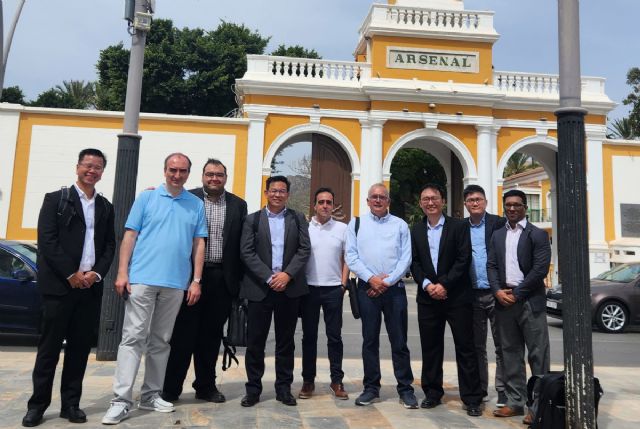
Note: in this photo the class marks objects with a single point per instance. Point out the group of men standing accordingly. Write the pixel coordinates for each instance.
(186, 255)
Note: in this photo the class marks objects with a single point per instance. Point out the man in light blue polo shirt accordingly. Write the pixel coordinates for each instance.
(163, 240)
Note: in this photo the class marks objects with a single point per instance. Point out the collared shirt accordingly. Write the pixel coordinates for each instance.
(88, 259)
(215, 212)
(434, 234)
(479, 277)
(327, 249)
(382, 246)
(512, 269)
(166, 227)
(276, 229)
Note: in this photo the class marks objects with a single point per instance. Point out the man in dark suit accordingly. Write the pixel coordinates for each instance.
(518, 263)
(275, 248)
(482, 225)
(199, 328)
(76, 243)
(441, 250)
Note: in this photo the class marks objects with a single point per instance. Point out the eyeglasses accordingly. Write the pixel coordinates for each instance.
(212, 175)
(430, 199)
(474, 200)
(277, 192)
(91, 166)
(514, 206)
(378, 198)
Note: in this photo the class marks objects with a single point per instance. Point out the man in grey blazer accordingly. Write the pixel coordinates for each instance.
(275, 248)
(518, 263)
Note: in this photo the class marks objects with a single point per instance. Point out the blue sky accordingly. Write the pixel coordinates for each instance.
(60, 40)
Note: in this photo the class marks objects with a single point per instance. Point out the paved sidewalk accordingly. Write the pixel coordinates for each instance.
(619, 408)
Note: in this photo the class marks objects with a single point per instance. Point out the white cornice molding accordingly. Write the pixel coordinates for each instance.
(617, 142)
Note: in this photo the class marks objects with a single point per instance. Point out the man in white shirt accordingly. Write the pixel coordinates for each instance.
(326, 277)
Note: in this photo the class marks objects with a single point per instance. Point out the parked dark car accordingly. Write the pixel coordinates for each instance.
(615, 299)
(20, 302)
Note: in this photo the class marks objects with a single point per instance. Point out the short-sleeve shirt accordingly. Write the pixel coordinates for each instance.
(327, 249)
(166, 227)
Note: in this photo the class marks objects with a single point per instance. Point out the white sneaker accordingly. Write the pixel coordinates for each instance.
(117, 412)
(156, 403)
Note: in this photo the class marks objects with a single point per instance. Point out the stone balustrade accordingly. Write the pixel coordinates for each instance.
(306, 69)
(538, 84)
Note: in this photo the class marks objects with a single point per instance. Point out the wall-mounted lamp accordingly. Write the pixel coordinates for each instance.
(543, 119)
(315, 106)
(405, 110)
(459, 113)
(432, 105)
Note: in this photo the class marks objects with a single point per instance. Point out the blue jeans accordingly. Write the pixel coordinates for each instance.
(393, 305)
(330, 299)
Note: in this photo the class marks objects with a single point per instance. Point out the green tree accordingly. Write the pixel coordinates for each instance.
(633, 99)
(72, 94)
(296, 51)
(620, 129)
(187, 71)
(411, 169)
(12, 94)
(519, 163)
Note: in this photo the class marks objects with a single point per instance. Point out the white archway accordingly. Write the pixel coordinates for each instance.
(309, 128)
(448, 140)
(533, 143)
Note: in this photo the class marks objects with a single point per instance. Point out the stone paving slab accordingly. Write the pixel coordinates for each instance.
(619, 409)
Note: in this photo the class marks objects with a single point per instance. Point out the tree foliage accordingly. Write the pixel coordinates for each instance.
(296, 51)
(186, 71)
(72, 94)
(620, 129)
(12, 94)
(411, 169)
(633, 99)
(519, 163)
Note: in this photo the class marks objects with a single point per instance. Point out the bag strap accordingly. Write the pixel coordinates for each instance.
(64, 200)
(357, 225)
(229, 355)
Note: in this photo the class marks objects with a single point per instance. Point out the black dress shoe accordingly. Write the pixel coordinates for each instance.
(213, 396)
(73, 414)
(287, 399)
(250, 400)
(430, 403)
(32, 418)
(474, 410)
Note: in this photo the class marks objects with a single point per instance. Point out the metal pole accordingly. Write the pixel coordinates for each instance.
(4, 50)
(124, 192)
(573, 238)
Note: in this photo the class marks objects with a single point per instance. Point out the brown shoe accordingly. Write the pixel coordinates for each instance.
(338, 391)
(307, 390)
(507, 411)
(528, 419)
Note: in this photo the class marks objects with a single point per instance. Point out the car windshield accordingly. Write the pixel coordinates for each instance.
(622, 274)
(24, 249)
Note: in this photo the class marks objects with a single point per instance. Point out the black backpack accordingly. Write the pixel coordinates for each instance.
(546, 400)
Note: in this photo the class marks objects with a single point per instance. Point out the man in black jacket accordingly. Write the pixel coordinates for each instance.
(199, 328)
(76, 244)
(482, 225)
(441, 253)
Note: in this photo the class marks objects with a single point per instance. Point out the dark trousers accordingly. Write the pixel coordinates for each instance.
(519, 326)
(285, 317)
(72, 317)
(198, 332)
(431, 322)
(329, 298)
(393, 305)
(484, 309)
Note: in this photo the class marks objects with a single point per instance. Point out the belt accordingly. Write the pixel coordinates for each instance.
(213, 264)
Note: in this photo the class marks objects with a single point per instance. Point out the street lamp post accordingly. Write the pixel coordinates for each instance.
(573, 238)
(126, 175)
(4, 49)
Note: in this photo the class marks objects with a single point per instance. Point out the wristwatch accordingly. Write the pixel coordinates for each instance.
(197, 280)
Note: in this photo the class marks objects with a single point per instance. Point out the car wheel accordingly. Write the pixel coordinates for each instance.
(612, 317)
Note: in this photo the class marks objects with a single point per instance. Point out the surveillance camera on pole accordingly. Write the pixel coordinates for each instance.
(138, 14)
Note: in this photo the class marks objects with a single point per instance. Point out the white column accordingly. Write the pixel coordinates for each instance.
(365, 164)
(598, 247)
(485, 167)
(255, 150)
(376, 150)
(9, 121)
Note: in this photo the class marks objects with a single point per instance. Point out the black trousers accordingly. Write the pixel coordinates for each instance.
(72, 317)
(431, 322)
(285, 316)
(198, 332)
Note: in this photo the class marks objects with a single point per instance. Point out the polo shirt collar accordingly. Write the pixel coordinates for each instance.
(315, 222)
(163, 191)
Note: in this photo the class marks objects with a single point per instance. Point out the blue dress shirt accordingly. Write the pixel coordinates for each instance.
(434, 234)
(479, 277)
(276, 229)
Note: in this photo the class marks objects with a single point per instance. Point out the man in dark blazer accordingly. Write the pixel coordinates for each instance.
(482, 225)
(275, 248)
(199, 328)
(441, 253)
(518, 263)
(76, 244)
